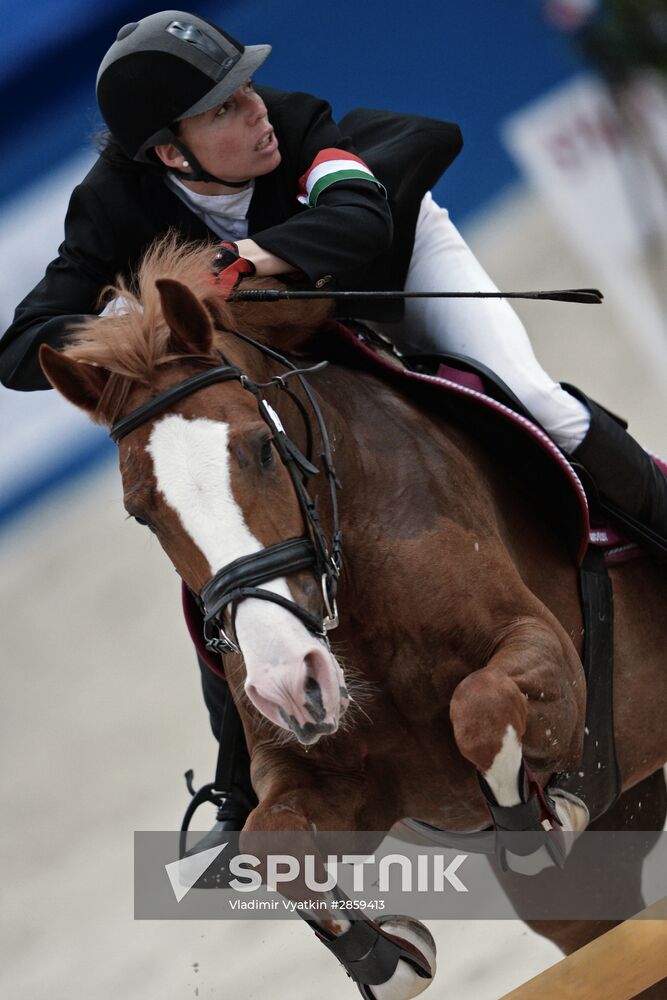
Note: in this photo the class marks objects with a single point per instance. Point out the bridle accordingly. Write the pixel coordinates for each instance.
(244, 577)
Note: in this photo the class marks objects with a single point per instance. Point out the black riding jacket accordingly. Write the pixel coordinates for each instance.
(354, 238)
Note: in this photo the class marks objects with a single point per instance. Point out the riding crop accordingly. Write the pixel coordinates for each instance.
(588, 296)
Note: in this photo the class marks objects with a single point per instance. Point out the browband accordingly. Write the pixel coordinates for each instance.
(222, 373)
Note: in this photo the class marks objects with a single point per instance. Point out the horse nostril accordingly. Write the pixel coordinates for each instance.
(314, 704)
(320, 685)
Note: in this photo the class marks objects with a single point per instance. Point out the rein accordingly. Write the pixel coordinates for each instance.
(244, 577)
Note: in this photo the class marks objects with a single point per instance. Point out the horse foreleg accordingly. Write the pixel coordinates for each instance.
(525, 707)
(391, 958)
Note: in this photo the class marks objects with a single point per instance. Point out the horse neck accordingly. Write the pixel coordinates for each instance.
(399, 465)
(248, 356)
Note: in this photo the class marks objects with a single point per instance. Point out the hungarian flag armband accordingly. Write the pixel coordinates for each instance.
(331, 166)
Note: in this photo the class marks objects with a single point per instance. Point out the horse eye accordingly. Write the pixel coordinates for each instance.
(266, 453)
(145, 524)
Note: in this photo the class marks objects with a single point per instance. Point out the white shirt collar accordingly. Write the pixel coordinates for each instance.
(234, 206)
(224, 214)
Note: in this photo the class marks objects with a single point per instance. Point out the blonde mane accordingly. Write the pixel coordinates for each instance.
(133, 345)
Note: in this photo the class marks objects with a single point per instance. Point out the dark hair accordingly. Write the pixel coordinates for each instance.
(110, 150)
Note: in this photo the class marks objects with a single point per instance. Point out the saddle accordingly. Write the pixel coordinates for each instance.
(475, 397)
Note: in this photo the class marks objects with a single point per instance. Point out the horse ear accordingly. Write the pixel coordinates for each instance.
(80, 383)
(190, 324)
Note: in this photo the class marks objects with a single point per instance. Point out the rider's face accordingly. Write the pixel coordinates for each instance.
(233, 140)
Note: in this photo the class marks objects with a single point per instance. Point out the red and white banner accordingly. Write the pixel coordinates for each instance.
(602, 171)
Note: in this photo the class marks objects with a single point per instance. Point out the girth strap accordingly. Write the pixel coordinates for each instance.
(253, 570)
(596, 779)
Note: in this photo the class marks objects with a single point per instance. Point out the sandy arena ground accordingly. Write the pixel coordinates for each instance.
(102, 714)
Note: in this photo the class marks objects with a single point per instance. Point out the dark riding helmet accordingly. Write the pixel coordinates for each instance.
(168, 66)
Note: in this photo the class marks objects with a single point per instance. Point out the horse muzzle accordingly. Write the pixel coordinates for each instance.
(303, 693)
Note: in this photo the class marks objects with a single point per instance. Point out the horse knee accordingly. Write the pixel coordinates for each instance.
(276, 817)
(483, 707)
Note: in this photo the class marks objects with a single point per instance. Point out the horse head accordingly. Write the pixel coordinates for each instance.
(204, 474)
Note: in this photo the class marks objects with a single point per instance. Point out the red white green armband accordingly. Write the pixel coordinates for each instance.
(331, 166)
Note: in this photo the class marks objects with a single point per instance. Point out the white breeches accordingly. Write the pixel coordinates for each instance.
(486, 330)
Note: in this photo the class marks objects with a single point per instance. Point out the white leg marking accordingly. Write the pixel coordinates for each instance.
(503, 775)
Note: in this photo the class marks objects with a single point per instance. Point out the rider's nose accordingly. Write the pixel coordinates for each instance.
(256, 108)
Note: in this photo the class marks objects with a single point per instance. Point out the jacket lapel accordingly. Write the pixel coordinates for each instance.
(170, 212)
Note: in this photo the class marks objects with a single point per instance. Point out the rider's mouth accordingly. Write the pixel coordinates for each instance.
(268, 140)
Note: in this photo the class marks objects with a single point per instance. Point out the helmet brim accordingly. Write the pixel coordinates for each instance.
(248, 64)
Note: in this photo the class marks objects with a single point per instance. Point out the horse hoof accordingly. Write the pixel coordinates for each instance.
(405, 983)
(571, 811)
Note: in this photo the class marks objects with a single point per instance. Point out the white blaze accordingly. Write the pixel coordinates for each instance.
(192, 470)
(191, 466)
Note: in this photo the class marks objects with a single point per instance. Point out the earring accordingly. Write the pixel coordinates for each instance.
(185, 163)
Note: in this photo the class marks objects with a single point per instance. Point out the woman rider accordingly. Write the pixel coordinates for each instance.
(194, 147)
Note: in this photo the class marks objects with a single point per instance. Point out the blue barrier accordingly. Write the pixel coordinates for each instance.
(471, 65)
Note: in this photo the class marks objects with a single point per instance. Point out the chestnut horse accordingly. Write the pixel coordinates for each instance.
(459, 614)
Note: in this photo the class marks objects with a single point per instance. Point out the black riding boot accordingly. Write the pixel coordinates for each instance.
(231, 792)
(629, 485)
